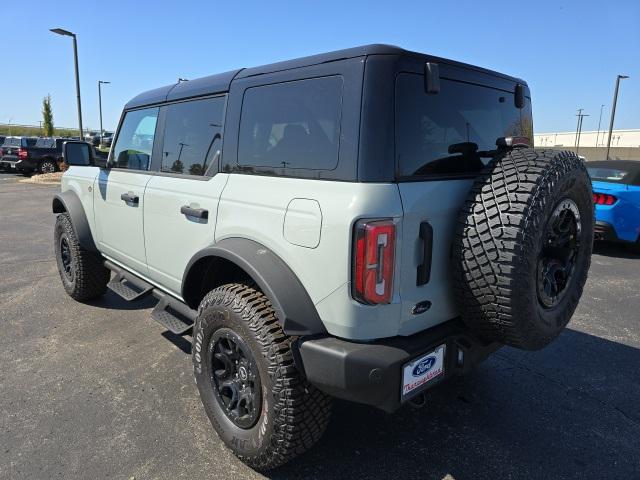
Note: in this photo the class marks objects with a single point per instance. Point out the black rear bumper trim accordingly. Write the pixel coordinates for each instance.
(371, 373)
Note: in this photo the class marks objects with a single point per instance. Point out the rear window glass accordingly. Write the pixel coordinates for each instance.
(12, 142)
(611, 174)
(292, 125)
(443, 134)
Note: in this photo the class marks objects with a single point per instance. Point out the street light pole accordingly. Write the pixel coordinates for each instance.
(100, 83)
(613, 112)
(67, 33)
(599, 121)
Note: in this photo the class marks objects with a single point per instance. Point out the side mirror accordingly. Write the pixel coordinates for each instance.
(77, 153)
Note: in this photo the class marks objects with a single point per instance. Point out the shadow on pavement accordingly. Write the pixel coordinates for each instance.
(179, 341)
(569, 411)
(618, 250)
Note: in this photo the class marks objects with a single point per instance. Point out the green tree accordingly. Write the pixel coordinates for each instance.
(47, 116)
(177, 167)
(196, 169)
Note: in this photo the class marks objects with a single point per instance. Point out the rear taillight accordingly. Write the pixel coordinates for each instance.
(604, 199)
(22, 153)
(373, 261)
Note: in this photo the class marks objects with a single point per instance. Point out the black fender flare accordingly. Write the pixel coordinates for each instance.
(70, 203)
(292, 304)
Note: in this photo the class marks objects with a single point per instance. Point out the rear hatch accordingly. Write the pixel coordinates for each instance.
(9, 149)
(438, 138)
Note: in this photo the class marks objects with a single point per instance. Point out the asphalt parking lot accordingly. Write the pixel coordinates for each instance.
(98, 390)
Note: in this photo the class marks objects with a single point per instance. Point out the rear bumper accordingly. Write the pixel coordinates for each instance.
(604, 231)
(15, 163)
(371, 373)
(8, 162)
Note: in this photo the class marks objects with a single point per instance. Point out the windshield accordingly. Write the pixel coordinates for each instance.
(452, 133)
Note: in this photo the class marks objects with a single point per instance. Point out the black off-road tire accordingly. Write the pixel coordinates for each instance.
(293, 414)
(88, 277)
(500, 236)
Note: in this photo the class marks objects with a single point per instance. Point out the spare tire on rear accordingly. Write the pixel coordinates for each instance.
(523, 245)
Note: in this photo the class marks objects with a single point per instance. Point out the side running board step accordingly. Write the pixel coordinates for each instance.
(171, 314)
(126, 285)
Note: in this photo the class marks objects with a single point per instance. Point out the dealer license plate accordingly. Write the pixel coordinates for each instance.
(421, 371)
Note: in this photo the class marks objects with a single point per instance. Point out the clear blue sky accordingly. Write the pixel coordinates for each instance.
(568, 51)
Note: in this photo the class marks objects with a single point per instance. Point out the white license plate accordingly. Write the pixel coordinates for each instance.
(422, 371)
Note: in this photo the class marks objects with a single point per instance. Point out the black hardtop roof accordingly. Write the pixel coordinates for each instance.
(221, 82)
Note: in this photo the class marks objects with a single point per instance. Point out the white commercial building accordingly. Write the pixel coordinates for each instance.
(619, 138)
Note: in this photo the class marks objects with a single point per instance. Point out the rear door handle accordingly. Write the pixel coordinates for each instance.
(194, 212)
(130, 197)
(424, 269)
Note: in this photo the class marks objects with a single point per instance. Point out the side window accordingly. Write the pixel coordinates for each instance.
(292, 125)
(135, 139)
(191, 131)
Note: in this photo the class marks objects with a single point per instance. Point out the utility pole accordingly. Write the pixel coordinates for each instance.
(599, 121)
(575, 143)
(613, 111)
(580, 116)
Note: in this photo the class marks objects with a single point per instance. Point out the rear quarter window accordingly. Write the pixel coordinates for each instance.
(292, 125)
(441, 135)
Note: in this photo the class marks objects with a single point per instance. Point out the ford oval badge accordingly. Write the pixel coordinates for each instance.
(423, 366)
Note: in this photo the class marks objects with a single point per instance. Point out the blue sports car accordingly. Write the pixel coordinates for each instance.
(616, 195)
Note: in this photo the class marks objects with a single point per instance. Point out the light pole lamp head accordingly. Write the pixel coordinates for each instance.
(103, 82)
(62, 31)
(622, 77)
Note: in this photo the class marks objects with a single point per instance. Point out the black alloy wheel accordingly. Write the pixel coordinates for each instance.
(557, 258)
(67, 259)
(47, 166)
(235, 377)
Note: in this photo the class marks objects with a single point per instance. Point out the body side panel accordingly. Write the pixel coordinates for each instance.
(254, 207)
(80, 181)
(171, 238)
(119, 225)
